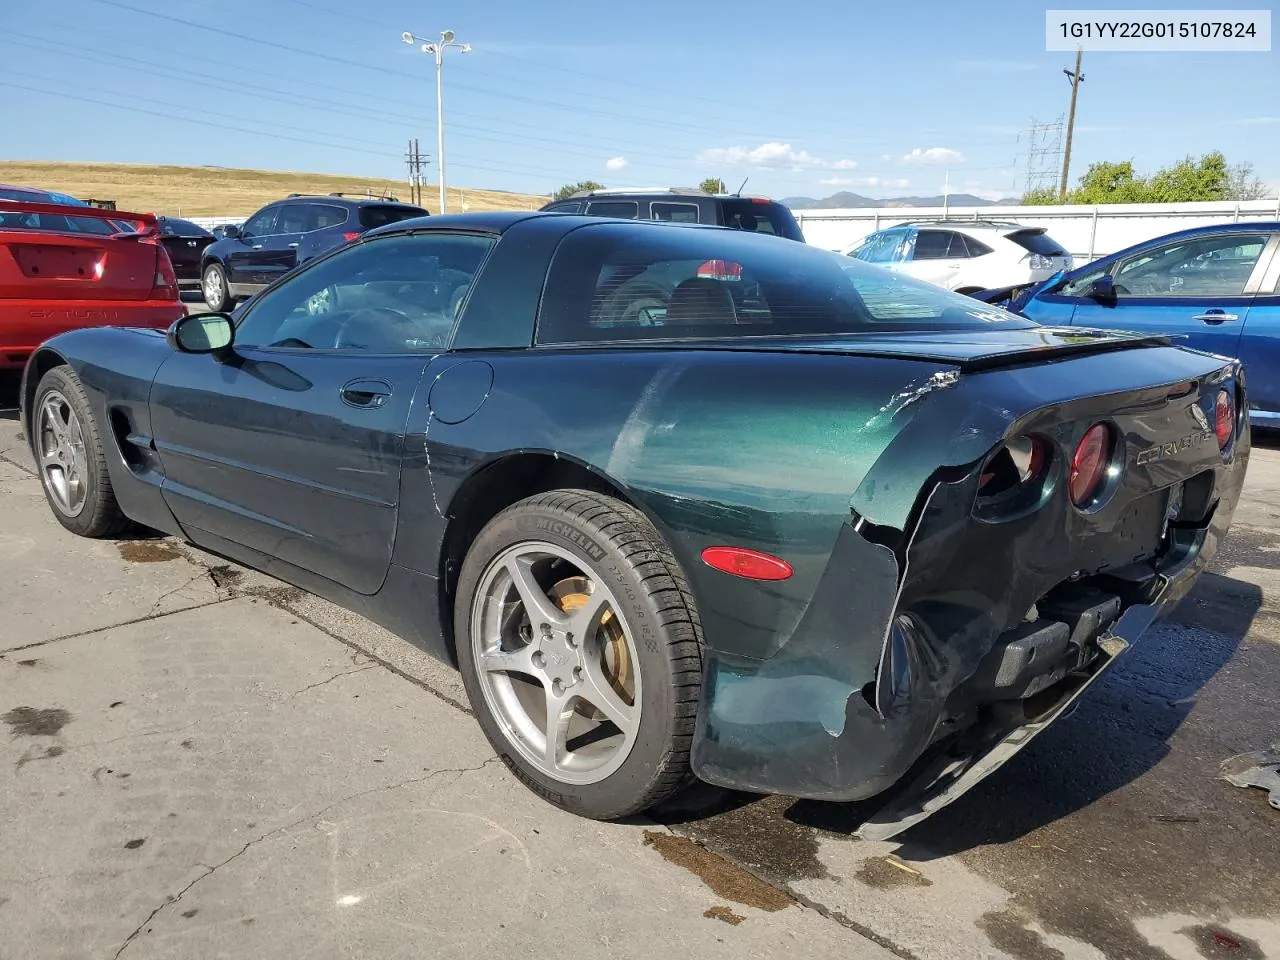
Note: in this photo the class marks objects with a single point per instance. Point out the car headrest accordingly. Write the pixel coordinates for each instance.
(701, 300)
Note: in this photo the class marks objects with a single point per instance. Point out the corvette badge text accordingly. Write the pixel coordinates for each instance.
(1173, 447)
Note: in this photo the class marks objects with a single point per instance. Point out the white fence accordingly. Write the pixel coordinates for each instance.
(1086, 231)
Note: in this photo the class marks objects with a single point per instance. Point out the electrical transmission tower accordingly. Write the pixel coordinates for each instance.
(415, 161)
(1044, 155)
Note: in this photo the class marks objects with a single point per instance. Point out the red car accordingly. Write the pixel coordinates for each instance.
(67, 267)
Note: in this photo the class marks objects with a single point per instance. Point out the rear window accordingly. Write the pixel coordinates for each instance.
(58, 222)
(173, 227)
(616, 282)
(1036, 241)
(378, 215)
(761, 217)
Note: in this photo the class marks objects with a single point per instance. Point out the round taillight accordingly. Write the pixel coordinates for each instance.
(1224, 419)
(1089, 465)
(750, 564)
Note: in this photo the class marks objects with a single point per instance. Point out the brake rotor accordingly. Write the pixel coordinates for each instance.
(571, 594)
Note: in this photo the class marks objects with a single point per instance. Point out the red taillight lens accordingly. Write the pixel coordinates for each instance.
(350, 235)
(165, 285)
(1089, 465)
(746, 563)
(1224, 420)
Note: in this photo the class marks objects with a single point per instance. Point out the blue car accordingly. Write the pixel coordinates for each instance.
(1215, 288)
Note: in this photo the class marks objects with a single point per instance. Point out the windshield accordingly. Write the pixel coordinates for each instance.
(623, 282)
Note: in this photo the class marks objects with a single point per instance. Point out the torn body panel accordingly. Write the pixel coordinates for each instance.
(951, 640)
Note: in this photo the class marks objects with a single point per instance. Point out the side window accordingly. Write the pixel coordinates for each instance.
(975, 246)
(627, 209)
(322, 215)
(675, 212)
(567, 206)
(1214, 266)
(261, 224)
(933, 245)
(293, 218)
(396, 294)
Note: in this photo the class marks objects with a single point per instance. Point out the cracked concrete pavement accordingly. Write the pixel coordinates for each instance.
(203, 762)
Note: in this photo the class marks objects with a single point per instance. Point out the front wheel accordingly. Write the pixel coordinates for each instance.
(213, 284)
(579, 647)
(67, 446)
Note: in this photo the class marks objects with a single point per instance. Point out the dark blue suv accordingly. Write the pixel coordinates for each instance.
(284, 234)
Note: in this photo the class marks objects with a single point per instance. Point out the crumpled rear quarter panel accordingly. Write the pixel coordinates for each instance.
(801, 721)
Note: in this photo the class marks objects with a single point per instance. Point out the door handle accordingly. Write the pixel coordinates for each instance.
(257, 246)
(1215, 316)
(365, 394)
(293, 244)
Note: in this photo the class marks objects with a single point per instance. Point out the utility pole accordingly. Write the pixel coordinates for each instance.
(1076, 79)
(437, 49)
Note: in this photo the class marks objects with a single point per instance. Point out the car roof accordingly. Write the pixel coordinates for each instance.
(337, 198)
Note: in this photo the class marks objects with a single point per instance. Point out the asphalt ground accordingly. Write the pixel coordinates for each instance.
(199, 761)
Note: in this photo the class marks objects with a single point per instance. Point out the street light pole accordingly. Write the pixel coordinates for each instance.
(437, 49)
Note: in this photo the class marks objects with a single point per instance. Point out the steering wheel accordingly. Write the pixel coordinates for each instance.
(378, 321)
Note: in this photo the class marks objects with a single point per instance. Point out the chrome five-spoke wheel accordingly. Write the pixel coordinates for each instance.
(61, 454)
(556, 663)
(580, 650)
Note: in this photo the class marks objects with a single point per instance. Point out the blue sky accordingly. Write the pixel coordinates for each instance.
(806, 98)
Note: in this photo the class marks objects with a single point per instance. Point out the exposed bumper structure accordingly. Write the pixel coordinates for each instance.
(920, 669)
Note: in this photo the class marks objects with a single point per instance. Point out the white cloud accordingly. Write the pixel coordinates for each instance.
(774, 155)
(1257, 120)
(933, 156)
(615, 163)
(891, 183)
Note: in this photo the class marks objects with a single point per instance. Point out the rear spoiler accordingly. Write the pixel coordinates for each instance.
(145, 224)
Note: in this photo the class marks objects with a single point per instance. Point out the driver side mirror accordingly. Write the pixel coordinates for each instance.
(211, 333)
(1103, 290)
(231, 231)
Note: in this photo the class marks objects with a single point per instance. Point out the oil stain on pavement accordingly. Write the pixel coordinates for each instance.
(35, 722)
(725, 879)
(147, 551)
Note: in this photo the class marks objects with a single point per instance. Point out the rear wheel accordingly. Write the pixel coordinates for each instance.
(213, 284)
(68, 451)
(578, 644)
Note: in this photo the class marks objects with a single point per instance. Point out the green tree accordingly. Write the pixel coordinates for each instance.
(1040, 198)
(1188, 180)
(569, 189)
(712, 185)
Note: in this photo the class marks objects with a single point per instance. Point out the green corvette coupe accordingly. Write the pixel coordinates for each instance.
(679, 502)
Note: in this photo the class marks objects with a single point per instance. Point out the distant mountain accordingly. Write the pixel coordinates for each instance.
(844, 200)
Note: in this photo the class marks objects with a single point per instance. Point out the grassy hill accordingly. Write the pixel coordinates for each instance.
(218, 191)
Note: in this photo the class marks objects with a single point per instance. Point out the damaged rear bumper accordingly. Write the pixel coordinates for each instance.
(951, 693)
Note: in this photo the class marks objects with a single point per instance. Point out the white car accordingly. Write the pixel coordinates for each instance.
(966, 255)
